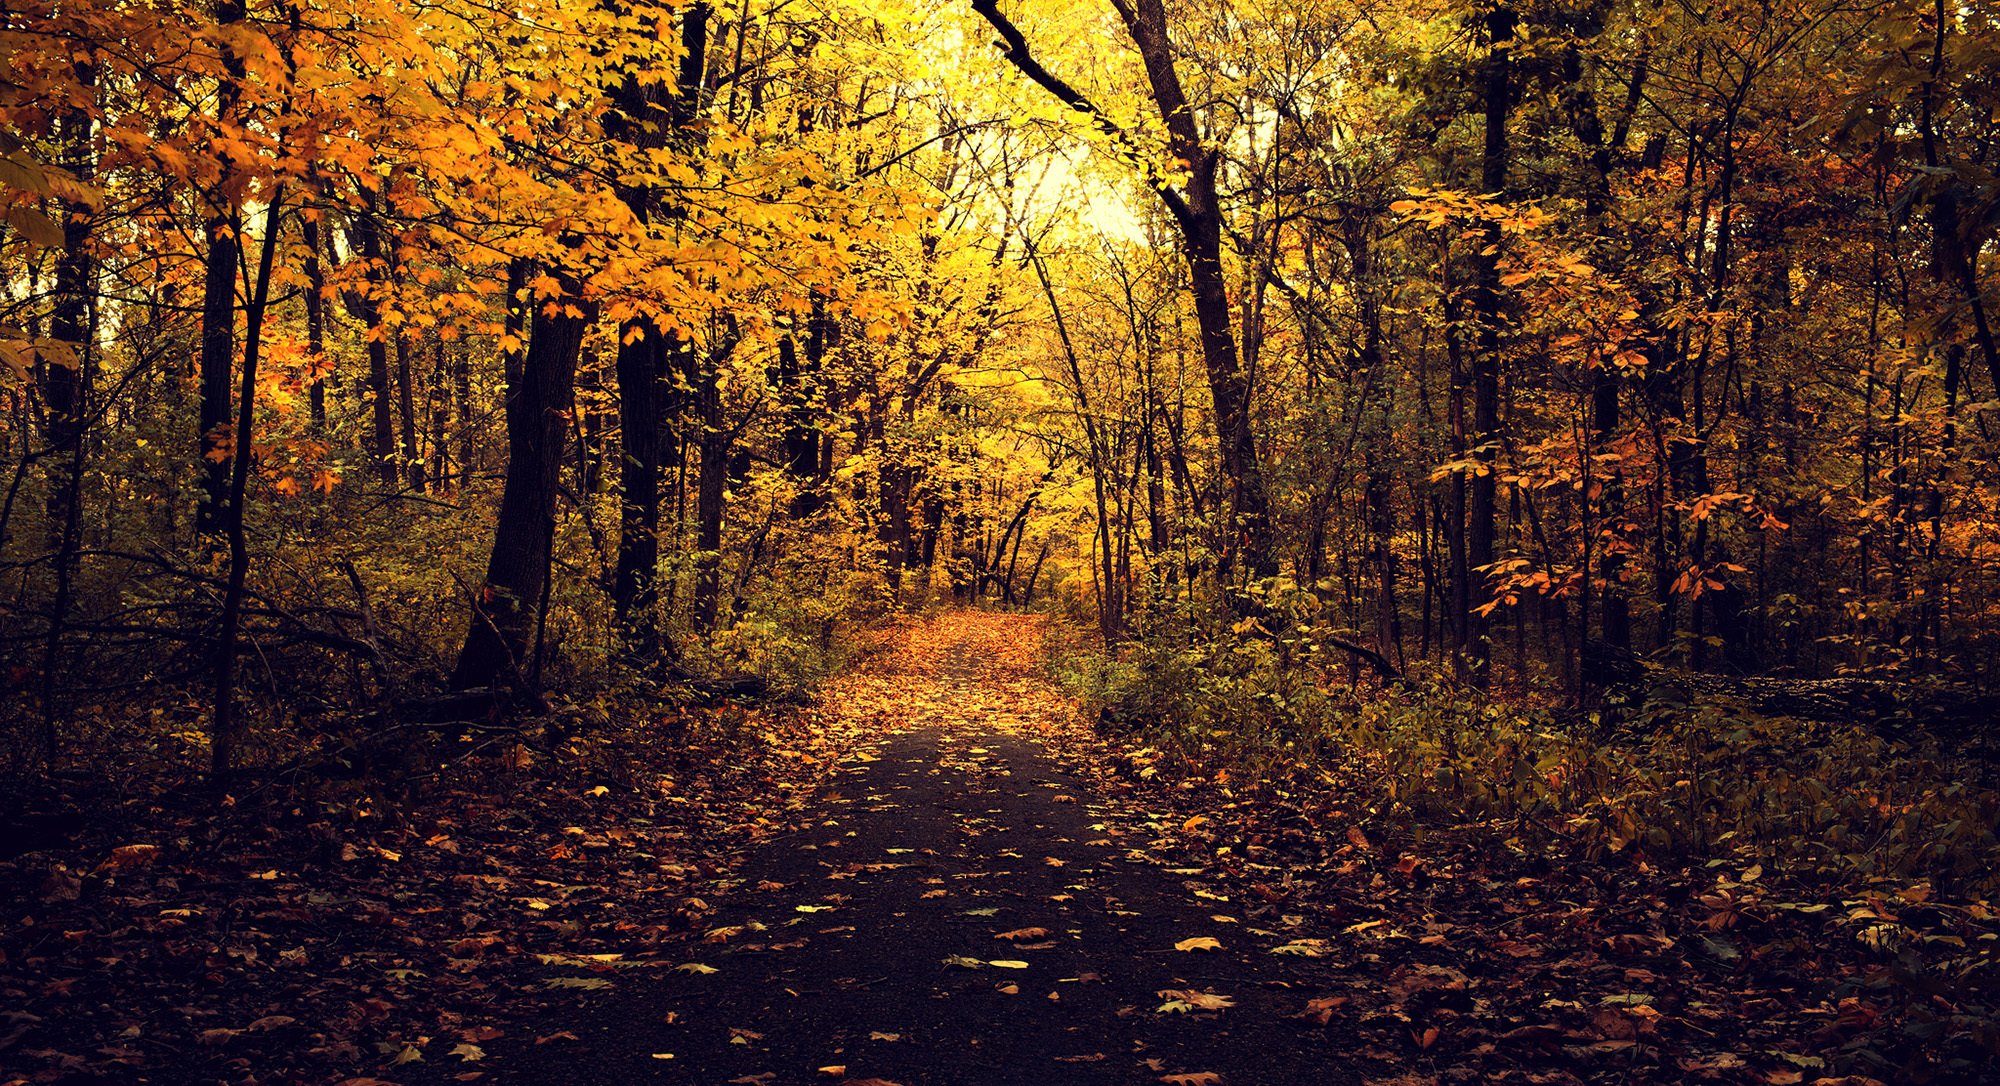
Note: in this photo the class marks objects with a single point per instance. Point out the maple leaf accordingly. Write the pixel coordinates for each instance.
(1199, 942)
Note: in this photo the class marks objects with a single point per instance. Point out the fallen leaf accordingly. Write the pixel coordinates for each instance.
(1320, 1011)
(1199, 942)
(130, 856)
(469, 1052)
(1183, 1000)
(1019, 935)
(1195, 1078)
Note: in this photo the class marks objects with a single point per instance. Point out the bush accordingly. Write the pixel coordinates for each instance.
(1843, 801)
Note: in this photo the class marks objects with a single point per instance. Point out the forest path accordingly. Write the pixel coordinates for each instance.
(961, 911)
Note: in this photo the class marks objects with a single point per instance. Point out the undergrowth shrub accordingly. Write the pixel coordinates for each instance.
(1849, 803)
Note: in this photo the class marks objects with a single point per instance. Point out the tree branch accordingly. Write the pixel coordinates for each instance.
(1014, 46)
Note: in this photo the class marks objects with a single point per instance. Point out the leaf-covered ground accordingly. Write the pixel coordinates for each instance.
(941, 877)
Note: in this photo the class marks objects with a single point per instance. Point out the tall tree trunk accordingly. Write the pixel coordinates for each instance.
(711, 499)
(367, 304)
(461, 391)
(646, 118)
(315, 301)
(1479, 527)
(410, 459)
(66, 389)
(538, 406)
(1197, 214)
(226, 732)
(440, 445)
(218, 300)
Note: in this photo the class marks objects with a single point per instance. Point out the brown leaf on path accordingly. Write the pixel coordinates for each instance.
(1639, 943)
(1193, 1078)
(1020, 935)
(1199, 942)
(1358, 839)
(1320, 1011)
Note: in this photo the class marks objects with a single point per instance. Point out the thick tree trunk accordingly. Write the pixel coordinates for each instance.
(642, 372)
(646, 118)
(538, 407)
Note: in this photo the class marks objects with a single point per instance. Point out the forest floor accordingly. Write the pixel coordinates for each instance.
(941, 876)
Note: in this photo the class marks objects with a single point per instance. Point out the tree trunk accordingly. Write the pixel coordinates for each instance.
(367, 305)
(1479, 527)
(646, 119)
(409, 457)
(1197, 215)
(315, 302)
(226, 732)
(538, 406)
(218, 303)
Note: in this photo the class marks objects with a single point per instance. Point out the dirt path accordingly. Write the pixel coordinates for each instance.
(963, 912)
